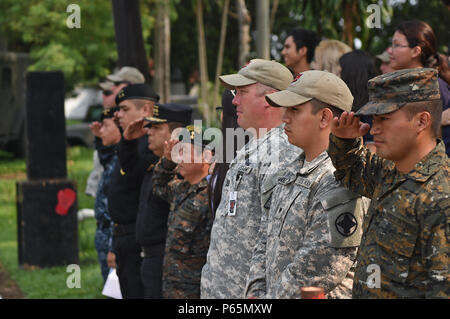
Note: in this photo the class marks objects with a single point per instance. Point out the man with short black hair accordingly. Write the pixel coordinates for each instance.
(151, 220)
(404, 250)
(298, 50)
(135, 101)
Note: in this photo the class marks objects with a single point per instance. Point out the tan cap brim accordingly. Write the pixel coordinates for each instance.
(106, 85)
(114, 78)
(232, 81)
(286, 99)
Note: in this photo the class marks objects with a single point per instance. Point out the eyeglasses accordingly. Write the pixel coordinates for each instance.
(120, 82)
(394, 46)
(107, 92)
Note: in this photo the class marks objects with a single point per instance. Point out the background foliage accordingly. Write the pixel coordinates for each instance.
(88, 54)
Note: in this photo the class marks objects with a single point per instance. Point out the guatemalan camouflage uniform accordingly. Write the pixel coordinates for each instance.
(233, 237)
(103, 233)
(189, 227)
(406, 231)
(310, 236)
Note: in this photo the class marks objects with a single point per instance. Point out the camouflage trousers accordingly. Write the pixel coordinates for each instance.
(101, 241)
(174, 289)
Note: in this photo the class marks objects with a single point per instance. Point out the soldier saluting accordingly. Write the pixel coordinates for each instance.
(406, 232)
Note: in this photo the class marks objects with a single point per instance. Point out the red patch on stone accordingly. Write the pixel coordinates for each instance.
(66, 198)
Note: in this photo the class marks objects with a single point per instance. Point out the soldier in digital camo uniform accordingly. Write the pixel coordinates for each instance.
(246, 188)
(404, 250)
(312, 232)
(189, 222)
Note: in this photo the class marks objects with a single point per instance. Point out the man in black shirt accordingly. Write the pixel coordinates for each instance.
(151, 222)
(135, 101)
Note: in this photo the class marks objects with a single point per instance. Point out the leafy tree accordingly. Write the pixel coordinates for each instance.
(85, 55)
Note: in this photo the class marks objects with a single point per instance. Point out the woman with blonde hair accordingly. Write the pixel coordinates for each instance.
(327, 56)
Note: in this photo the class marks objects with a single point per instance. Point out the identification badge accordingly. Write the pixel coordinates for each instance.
(232, 204)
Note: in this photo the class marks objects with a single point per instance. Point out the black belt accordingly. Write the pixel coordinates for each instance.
(153, 251)
(124, 229)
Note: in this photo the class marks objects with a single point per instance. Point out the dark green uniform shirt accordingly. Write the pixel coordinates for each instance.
(404, 250)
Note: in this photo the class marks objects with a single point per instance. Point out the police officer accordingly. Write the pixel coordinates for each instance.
(245, 192)
(135, 101)
(189, 222)
(404, 250)
(151, 222)
(312, 232)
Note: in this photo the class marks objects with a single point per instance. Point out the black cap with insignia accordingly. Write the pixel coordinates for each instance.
(171, 112)
(109, 113)
(137, 91)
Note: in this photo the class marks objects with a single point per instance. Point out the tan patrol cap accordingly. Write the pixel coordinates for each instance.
(127, 74)
(320, 85)
(270, 73)
(106, 85)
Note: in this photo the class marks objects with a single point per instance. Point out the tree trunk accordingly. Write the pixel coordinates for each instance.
(162, 51)
(262, 25)
(273, 13)
(202, 62)
(244, 32)
(348, 23)
(127, 22)
(223, 32)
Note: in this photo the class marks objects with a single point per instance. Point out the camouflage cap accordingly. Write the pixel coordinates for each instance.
(391, 91)
(320, 85)
(270, 73)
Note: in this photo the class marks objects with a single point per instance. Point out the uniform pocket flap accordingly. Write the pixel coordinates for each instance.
(337, 197)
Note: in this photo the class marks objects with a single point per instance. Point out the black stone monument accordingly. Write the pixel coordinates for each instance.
(47, 201)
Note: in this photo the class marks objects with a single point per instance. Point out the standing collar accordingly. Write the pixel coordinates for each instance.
(430, 164)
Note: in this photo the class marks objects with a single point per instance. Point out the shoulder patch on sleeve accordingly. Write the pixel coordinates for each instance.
(345, 217)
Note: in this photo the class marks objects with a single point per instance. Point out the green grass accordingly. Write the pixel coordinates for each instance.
(49, 282)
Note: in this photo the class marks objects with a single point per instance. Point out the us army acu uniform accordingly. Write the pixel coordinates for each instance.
(405, 246)
(310, 236)
(238, 215)
(189, 227)
(313, 229)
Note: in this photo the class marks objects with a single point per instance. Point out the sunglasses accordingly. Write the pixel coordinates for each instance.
(121, 82)
(107, 92)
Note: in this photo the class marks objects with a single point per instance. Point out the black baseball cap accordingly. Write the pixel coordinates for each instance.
(137, 91)
(170, 112)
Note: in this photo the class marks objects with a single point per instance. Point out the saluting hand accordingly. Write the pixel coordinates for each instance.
(95, 128)
(168, 147)
(135, 130)
(349, 126)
